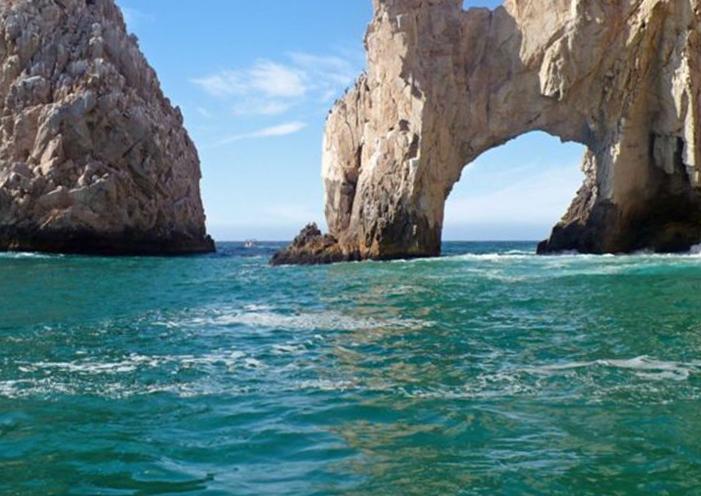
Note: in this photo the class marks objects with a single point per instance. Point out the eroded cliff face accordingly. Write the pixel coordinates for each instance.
(444, 85)
(93, 157)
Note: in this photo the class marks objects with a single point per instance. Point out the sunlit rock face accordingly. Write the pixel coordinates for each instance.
(444, 85)
(93, 157)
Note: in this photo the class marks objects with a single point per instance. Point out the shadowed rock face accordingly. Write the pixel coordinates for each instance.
(312, 247)
(444, 85)
(93, 157)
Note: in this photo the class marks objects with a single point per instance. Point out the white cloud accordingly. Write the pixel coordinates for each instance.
(325, 71)
(273, 88)
(542, 196)
(277, 80)
(263, 78)
(279, 130)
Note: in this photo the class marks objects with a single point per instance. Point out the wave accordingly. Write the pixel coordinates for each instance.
(694, 252)
(586, 379)
(650, 376)
(29, 255)
(642, 366)
(132, 363)
(263, 317)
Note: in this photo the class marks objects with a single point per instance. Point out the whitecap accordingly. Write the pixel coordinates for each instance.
(261, 317)
(252, 363)
(642, 366)
(22, 255)
(327, 385)
(134, 362)
(86, 366)
(492, 257)
(288, 349)
(695, 250)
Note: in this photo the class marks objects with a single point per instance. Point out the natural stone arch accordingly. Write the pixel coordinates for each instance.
(514, 192)
(444, 85)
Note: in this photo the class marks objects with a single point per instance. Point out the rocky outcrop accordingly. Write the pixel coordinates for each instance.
(445, 85)
(312, 247)
(93, 157)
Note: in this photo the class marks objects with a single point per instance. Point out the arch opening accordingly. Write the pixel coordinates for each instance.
(516, 191)
(489, 4)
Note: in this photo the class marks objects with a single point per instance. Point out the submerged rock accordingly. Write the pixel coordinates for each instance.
(93, 157)
(445, 85)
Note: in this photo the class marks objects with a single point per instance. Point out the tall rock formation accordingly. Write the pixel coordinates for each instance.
(444, 85)
(93, 157)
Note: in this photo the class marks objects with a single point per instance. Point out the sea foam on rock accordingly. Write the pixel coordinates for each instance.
(93, 157)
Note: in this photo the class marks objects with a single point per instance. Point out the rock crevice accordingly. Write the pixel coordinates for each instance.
(444, 85)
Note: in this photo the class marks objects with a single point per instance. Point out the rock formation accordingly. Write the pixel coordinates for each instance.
(312, 247)
(443, 85)
(93, 157)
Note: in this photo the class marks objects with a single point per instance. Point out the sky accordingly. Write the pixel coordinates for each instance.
(255, 81)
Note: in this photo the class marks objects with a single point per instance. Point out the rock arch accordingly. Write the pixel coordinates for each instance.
(444, 85)
(517, 191)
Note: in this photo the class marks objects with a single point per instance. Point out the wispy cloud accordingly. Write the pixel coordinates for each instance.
(279, 130)
(134, 17)
(204, 112)
(264, 77)
(273, 88)
(325, 74)
(547, 191)
(261, 106)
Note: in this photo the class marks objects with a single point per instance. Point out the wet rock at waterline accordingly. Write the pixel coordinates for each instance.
(444, 85)
(311, 247)
(93, 157)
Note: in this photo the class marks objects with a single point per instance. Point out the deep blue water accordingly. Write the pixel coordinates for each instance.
(488, 371)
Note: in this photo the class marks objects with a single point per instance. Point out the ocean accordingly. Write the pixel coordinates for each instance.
(487, 371)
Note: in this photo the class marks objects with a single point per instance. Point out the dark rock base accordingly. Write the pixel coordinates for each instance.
(311, 247)
(669, 225)
(89, 243)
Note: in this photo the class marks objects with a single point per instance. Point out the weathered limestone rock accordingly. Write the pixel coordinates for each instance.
(93, 157)
(444, 85)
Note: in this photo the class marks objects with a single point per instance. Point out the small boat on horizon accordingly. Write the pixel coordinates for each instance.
(250, 243)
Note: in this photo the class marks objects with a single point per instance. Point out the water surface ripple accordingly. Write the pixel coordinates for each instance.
(487, 371)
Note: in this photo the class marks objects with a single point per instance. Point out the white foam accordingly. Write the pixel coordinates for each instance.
(643, 366)
(134, 362)
(492, 257)
(288, 349)
(20, 255)
(252, 363)
(327, 385)
(261, 317)
(87, 366)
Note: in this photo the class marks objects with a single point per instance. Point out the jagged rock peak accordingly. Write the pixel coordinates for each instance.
(93, 157)
(444, 85)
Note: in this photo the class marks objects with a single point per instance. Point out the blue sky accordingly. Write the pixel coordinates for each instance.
(255, 81)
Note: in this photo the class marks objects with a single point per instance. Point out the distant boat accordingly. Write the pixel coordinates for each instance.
(250, 243)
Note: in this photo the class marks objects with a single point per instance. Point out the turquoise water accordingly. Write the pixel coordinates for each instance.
(488, 371)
